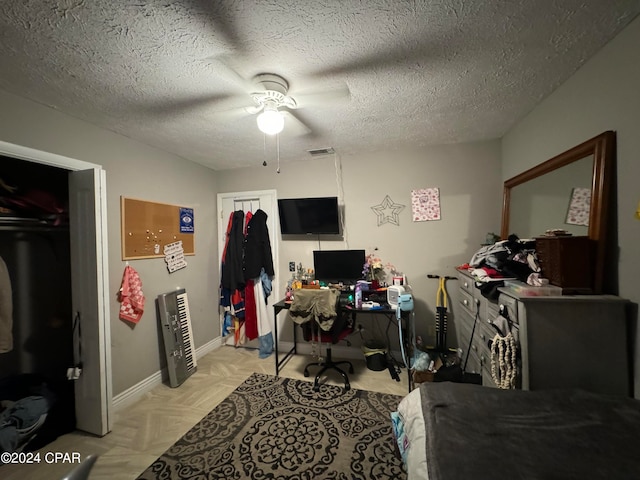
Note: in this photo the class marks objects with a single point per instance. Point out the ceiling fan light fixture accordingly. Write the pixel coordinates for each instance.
(270, 121)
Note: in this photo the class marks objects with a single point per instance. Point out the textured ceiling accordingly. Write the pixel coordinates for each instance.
(174, 74)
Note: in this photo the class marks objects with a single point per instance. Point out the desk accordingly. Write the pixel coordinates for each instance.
(389, 313)
(277, 308)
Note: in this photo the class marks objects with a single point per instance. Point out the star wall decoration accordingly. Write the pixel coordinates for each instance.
(388, 211)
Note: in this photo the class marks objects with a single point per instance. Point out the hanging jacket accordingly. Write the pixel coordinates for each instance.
(232, 278)
(257, 247)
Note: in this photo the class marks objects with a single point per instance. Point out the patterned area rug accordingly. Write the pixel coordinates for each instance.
(279, 428)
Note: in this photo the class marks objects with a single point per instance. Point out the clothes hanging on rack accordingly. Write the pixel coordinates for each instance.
(250, 313)
(249, 299)
(6, 309)
(232, 275)
(265, 336)
(257, 248)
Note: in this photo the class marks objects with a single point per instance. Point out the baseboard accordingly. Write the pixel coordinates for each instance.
(137, 391)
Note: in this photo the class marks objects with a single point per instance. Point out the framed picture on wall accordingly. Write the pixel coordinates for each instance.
(579, 205)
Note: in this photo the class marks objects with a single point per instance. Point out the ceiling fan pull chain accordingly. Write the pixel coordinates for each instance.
(264, 149)
(278, 151)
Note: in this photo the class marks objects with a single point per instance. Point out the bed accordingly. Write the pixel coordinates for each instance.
(451, 431)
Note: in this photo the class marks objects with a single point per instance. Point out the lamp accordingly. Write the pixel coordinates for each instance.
(270, 121)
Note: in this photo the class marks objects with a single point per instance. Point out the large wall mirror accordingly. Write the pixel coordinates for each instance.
(570, 192)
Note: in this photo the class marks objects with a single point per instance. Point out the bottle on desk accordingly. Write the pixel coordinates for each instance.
(358, 296)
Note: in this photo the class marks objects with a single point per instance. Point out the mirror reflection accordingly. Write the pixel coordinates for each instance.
(560, 199)
(571, 192)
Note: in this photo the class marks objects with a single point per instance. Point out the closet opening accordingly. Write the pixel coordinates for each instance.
(36, 327)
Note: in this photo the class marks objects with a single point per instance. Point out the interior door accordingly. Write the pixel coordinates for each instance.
(87, 213)
(266, 200)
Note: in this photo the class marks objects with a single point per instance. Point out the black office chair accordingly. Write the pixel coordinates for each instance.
(342, 327)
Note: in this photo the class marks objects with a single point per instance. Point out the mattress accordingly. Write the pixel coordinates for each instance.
(413, 445)
(456, 431)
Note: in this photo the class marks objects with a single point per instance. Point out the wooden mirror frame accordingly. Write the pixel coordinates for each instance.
(602, 147)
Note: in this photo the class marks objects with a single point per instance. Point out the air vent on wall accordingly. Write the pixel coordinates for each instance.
(321, 151)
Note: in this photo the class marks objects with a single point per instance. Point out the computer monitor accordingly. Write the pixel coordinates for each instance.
(335, 266)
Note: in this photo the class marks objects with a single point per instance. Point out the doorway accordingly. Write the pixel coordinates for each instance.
(265, 200)
(88, 271)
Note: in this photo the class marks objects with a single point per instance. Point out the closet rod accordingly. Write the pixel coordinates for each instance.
(32, 228)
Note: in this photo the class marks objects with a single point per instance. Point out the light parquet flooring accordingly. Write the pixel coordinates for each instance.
(144, 430)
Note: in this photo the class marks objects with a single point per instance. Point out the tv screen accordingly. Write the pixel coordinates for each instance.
(303, 216)
(338, 265)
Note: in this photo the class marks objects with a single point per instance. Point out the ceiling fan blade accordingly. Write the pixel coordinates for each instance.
(293, 125)
(223, 17)
(380, 60)
(315, 97)
(215, 102)
(224, 67)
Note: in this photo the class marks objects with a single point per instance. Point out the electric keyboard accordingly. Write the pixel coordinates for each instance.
(173, 310)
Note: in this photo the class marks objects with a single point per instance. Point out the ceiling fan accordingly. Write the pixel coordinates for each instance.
(271, 98)
(271, 101)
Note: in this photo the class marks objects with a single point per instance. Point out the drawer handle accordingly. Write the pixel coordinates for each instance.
(465, 302)
(483, 337)
(466, 285)
(474, 348)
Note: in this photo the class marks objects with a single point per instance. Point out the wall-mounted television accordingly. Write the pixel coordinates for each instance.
(334, 266)
(309, 216)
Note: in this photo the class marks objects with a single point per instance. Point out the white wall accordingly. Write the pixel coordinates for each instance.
(470, 193)
(603, 95)
(134, 170)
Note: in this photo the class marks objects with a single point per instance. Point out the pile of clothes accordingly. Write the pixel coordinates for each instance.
(32, 412)
(506, 259)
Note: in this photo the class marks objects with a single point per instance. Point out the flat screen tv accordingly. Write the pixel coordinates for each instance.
(334, 266)
(307, 216)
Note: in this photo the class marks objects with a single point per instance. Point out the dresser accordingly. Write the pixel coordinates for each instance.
(569, 341)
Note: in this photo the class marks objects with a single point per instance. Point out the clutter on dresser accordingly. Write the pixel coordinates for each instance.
(511, 259)
(557, 232)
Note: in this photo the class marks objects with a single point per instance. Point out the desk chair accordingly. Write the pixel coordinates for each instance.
(311, 308)
(340, 330)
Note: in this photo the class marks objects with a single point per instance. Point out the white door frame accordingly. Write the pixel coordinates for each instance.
(51, 159)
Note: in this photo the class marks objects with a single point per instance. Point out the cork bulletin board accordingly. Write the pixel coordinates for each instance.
(148, 226)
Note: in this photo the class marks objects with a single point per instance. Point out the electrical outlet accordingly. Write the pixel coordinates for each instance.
(292, 266)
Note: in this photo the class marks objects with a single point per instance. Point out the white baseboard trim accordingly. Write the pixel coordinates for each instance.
(137, 391)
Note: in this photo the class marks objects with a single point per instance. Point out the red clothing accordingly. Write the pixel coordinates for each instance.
(250, 312)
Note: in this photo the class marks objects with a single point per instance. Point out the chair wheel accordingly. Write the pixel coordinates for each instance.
(306, 373)
(347, 387)
(316, 387)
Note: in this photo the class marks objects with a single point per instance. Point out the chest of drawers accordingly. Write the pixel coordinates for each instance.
(569, 341)
(567, 262)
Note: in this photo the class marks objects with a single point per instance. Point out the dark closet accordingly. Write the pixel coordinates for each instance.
(34, 244)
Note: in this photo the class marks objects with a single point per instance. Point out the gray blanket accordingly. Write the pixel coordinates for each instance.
(480, 433)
